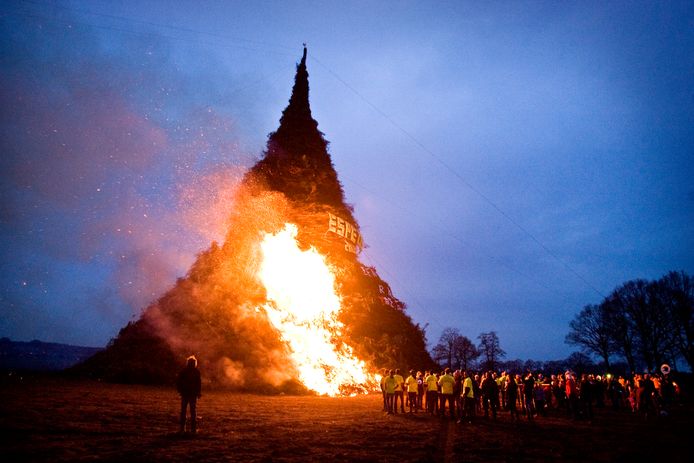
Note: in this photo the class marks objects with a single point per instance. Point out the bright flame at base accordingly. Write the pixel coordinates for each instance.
(304, 308)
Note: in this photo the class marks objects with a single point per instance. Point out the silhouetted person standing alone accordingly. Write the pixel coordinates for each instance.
(188, 385)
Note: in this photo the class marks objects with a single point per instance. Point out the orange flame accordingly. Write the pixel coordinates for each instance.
(304, 305)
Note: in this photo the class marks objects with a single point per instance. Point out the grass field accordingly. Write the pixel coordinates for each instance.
(49, 419)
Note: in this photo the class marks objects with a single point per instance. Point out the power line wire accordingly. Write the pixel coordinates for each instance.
(458, 238)
(160, 25)
(392, 277)
(146, 34)
(456, 174)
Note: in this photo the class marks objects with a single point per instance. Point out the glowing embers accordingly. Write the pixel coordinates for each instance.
(303, 306)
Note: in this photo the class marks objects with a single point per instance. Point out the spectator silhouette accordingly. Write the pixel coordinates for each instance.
(188, 385)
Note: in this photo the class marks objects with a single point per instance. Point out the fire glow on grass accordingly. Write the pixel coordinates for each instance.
(303, 306)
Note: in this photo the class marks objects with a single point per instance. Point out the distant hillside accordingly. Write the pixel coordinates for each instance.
(41, 356)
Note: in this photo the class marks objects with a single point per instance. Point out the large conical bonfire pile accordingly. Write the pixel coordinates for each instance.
(284, 304)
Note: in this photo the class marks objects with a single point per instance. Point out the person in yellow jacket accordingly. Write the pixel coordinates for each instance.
(389, 384)
(431, 382)
(411, 384)
(468, 397)
(399, 392)
(447, 382)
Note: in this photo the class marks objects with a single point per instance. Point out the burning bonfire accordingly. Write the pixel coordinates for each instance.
(304, 307)
(284, 303)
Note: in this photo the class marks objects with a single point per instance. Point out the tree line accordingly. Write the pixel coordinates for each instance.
(644, 323)
(641, 324)
(458, 352)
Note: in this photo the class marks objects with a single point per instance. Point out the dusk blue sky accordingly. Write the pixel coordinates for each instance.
(508, 162)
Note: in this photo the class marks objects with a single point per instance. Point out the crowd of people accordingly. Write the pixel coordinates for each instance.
(463, 396)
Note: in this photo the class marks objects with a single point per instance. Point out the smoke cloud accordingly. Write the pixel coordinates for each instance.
(106, 176)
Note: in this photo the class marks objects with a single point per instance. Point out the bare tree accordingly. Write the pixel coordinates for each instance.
(621, 327)
(464, 353)
(590, 331)
(443, 351)
(678, 298)
(491, 350)
(440, 355)
(651, 323)
(645, 321)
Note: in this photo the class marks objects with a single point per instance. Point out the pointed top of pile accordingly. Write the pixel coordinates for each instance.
(297, 115)
(296, 161)
(299, 108)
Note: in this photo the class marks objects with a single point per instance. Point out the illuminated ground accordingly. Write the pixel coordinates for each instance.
(55, 420)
